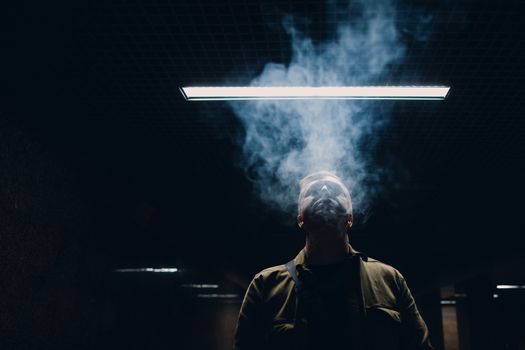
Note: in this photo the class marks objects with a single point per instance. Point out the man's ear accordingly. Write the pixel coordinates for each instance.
(350, 220)
(300, 221)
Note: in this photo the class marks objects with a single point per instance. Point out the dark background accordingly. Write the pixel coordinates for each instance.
(103, 165)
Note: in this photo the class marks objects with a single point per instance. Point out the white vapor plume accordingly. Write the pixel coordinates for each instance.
(286, 140)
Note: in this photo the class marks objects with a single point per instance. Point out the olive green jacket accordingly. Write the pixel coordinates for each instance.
(271, 317)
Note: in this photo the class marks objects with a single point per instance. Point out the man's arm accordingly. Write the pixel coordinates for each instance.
(415, 331)
(249, 333)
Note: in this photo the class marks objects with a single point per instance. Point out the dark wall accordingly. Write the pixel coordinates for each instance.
(47, 291)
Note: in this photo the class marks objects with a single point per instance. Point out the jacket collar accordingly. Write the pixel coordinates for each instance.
(300, 259)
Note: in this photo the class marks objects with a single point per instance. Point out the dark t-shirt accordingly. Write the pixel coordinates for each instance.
(328, 312)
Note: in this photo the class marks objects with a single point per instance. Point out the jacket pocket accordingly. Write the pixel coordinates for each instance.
(281, 334)
(383, 327)
(395, 315)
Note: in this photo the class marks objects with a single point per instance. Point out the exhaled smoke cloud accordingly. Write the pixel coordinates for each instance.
(286, 140)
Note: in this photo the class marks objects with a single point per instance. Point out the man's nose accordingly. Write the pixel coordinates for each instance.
(325, 191)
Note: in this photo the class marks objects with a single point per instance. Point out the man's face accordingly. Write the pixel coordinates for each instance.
(324, 205)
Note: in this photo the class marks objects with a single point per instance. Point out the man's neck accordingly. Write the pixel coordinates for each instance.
(328, 250)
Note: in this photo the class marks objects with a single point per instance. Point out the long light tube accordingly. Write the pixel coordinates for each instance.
(217, 93)
(510, 286)
(150, 269)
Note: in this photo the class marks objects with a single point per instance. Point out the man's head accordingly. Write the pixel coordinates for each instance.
(324, 204)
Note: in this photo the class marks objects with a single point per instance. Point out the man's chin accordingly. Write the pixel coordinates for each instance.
(324, 228)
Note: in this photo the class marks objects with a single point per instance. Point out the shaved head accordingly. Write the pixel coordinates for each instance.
(324, 203)
(321, 177)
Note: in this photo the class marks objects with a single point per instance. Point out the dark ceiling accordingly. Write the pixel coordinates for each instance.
(98, 85)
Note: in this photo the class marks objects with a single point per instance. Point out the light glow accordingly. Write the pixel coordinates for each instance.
(200, 286)
(218, 296)
(509, 286)
(149, 269)
(218, 93)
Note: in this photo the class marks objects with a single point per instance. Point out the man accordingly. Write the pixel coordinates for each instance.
(329, 296)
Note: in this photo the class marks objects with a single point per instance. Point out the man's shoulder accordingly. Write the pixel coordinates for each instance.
(377, 268)
(272, 272)
(273, 281)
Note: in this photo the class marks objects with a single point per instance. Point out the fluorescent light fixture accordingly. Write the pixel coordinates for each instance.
(199, 286)
(218, 93)
(150, 269)
(509, 286)
(460, 295)
(218, 296)
(448, 302)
